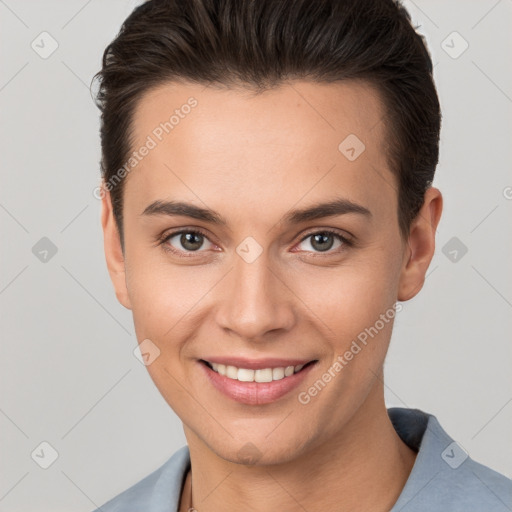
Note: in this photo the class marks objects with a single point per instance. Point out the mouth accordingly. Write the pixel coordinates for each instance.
(255, 386)
(268, 374)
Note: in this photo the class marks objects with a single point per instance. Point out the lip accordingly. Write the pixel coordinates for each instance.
(256, 364)
(255, 393)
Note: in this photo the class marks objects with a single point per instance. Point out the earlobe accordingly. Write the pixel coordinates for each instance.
(113, 251)
(420, 245)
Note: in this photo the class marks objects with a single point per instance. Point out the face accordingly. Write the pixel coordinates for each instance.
(249, 271)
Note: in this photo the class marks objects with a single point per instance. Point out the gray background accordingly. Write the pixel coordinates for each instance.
(68, 373)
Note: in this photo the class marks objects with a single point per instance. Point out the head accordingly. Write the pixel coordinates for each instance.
(225, 125)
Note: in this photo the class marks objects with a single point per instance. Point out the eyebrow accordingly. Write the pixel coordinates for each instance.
(332, 208)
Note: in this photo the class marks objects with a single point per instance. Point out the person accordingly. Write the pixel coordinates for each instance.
(267, 203)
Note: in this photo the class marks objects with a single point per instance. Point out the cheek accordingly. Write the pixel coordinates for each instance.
(162, 294)
(154, 305)
(347, 299)
(355, 308)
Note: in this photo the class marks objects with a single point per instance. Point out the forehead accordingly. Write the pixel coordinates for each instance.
(299, 140)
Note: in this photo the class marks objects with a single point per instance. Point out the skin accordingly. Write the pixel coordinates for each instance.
(252, 159)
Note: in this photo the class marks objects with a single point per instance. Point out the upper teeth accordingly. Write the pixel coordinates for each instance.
(261, 375)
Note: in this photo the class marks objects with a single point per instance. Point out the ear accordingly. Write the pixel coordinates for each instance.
(420, 245)
(113, 252)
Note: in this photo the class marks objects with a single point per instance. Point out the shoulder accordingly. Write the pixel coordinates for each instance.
(444, 476)
(479, 487)
(157, 492)
(470, 487)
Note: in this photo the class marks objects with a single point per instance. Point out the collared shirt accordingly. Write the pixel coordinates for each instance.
(443, 478)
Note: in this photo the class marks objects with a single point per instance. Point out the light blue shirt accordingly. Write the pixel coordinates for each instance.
(443, 478)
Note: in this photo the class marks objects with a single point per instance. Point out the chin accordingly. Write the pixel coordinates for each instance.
(260, 451)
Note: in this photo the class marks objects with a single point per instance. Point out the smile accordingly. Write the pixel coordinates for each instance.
(260, 375)
(255, 386)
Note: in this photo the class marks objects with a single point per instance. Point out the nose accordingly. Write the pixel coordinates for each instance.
(256, 300)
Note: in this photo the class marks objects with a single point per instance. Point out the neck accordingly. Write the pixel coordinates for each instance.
(334, 475)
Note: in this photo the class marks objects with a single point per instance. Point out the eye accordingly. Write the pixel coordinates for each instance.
(186, 241)
(323, 241)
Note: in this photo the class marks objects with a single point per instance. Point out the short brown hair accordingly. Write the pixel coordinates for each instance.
(259, 44)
